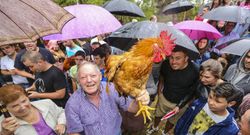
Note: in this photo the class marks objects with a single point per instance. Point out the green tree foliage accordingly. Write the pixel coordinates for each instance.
(148, 6)
(64, 3)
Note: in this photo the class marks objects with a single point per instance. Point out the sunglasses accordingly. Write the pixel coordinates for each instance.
(61, 60)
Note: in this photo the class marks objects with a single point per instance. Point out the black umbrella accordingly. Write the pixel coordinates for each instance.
(177, 7)
(132, 31)
(121, 43)
(229, 13)
(123, 7)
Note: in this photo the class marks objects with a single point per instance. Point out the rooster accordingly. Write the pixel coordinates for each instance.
(130, 71)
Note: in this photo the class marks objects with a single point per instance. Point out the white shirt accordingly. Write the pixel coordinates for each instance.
(8, 64)
(213, 116)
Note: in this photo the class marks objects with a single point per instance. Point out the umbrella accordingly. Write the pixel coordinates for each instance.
(147, 29)
(198, 29)
(177, 7)
(27, 20)
(91, 20)
(237, 47)
(123, 7)
(121, 43)
(229, 14)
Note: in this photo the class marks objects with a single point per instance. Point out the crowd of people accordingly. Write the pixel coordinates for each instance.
(39, 88)
(59, 87)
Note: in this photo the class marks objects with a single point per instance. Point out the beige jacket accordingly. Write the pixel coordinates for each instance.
(51, 113)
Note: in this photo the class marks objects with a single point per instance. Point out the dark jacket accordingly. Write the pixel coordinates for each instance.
(202, 91)
(226, 127)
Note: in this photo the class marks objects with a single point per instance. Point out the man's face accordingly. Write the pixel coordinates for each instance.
(89, 79)
(30, 46)
(244, 123)
(8, 50)
(205, 10)
(178, 60)
(34, 67)
(98, 60)
(54, 46)
(79, 60)
(229, 27)
(67, 43)
(217, 104)
(94, 46)
(207, 78)
(20, 108)
(216, 3)
(247, 61)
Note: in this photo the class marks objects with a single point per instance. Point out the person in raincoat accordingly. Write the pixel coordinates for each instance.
(239, 73)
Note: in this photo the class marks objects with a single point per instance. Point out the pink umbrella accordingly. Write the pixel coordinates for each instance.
(198, 29)
(91, 20)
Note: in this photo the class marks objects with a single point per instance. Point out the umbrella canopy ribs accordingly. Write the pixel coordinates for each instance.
(27, 20)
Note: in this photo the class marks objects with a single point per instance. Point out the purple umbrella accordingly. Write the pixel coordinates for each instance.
(198, 29)
(91, 20)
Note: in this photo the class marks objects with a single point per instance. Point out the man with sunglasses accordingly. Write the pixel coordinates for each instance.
(50, 82)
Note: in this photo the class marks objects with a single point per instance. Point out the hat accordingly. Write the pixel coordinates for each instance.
(170, 23)
(97, 40)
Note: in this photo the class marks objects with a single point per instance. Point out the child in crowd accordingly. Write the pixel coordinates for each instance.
(213, 116)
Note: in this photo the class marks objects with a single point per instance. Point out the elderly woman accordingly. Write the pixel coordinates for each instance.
(41, 117)
(210, 77)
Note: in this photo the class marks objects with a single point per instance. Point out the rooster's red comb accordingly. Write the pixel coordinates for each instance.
(167, 42)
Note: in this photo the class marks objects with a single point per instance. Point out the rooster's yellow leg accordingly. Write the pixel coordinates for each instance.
(144, 110)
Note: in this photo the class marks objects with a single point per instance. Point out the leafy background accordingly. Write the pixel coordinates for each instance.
(149, 7)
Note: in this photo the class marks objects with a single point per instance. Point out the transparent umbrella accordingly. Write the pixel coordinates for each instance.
(229, 13)
(130, 32)
(237, 47)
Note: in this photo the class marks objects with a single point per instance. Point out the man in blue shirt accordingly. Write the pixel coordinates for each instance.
(94, 111)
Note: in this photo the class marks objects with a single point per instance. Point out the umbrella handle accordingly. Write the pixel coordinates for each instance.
(184, 16)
